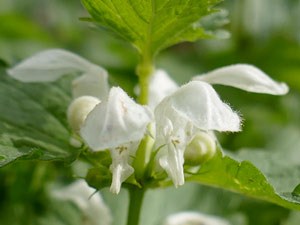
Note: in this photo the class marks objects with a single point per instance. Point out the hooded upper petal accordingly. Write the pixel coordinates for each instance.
(50, 65)
(115, 121)
(194, 218)
(245, 77)
(198, 103)
(92, 205)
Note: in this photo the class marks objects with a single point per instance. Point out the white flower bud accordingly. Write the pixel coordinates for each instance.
(200, 149)
(75, 142)
(79, 109)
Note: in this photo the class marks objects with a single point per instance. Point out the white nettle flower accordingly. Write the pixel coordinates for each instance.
(179, 117)
(196, 107)
(194, 218)
(104, 119)
(92, 205)
(118, 124)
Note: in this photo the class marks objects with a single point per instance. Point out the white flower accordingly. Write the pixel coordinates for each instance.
(194, 218)
(50, 65)
(104, 119)
(91, 204)
(196, 107)
(192, 108)
(117, 124)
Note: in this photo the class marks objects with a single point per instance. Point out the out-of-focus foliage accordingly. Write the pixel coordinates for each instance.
(265, 33)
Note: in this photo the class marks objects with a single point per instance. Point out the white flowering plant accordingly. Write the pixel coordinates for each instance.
(65, 109)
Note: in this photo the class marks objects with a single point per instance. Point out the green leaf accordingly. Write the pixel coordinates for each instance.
(152, 25)
(270, 176)
(33, 121)
(296, 191)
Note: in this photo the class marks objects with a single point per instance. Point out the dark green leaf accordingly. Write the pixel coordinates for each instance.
(33, 121)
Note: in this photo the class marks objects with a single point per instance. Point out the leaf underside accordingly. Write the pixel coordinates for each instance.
(152, 25)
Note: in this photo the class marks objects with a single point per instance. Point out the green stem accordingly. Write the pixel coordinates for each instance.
(136, 196)
(144, 72)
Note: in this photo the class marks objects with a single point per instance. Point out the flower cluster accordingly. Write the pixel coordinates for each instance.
(184, 118)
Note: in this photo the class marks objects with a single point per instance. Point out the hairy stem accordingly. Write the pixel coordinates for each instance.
(144, 72)
(136, 196)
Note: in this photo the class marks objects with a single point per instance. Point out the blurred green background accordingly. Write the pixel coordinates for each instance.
(265, 33)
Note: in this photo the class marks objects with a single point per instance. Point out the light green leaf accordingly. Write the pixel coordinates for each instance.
(33, 121)
(152, 25)
(270, 176)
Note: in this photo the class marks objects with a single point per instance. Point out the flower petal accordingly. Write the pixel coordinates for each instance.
(120, 167)
(92, 205)
(50, 65)
(188, 218)
(116, 121)
(245, 77)
(198, 103)
(161, 85)
(172, 163)
(93, 84)
(79, 109)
